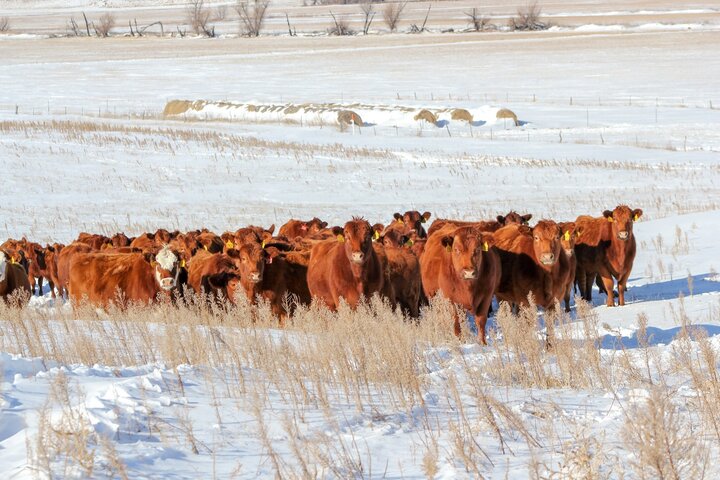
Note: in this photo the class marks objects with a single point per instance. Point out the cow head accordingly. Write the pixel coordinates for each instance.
(570, 233)
(250, 260)
(546, 237)
(393, 237)
(622, 219)
(162, 236)
(466, 246)
(120, 240)
(413, 220)
(226, 282)
(313, 226)
(356, 238)
(514, 218)
(167, 266)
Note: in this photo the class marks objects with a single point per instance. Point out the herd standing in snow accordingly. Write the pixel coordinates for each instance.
(468, 262)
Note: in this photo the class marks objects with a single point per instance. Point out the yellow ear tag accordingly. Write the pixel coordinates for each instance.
(635, 218)
(567, 235)
(400, 220)
(12, 260)
(230, 244)
(341, 239)
(205, 247)
(182, 264)
(448, 248)
(610, 219)
(422, 220)
(262, 245)
(486, 247)
(409, 243)
(377, 235)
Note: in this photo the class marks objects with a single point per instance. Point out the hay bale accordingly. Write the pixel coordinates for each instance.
(505, 113)
(461, 114)
(426, 115)
(251, 108)
(176, 107)
(291, 109)
(348, 116)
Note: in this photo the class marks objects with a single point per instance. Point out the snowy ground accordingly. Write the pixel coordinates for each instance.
(609, 115)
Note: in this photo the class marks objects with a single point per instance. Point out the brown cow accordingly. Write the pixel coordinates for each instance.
(95, 240)
(533, 261)
(285, 275)
(14, 282)
(606, 246)
(567, 241)
(512, 218)
(120, 240)
(210, 242)
(413, 220)
(213, 274)
(52, 253)
(63, 263)
(346, 267)
(37, 267)
(145, 242)
(105, 278)
(298, 228)
(461, 263)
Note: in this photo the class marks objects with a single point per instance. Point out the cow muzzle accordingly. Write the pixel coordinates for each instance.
(255, 277)
(624, 235)
(357, 257)
(569, 252)
(547, 258)
(166, 283)
(469, 274)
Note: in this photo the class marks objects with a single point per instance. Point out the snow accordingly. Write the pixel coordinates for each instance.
(608, 115)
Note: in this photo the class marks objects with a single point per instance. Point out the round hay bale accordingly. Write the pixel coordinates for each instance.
(176, 107)
(426, 115)
(251, 108)
(505, 113)
(291, 109)
(461, 114)
(348, 116)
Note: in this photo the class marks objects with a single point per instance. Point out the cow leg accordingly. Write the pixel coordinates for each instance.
(622, 287)
(481, 319)
(567, 298)
(608, 284)
(40, 286)
(456, 324)
(588, 286)
(52, 288)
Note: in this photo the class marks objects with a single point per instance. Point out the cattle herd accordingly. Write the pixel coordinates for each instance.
(468, 262)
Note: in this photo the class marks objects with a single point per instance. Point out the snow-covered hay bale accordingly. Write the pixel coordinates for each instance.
(348, 116)
(291, 109)
(177, 107)
(505, 113)
(426, 115)
(460, 114)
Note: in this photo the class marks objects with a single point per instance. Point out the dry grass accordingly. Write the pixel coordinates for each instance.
(198, 17)
(377, 361)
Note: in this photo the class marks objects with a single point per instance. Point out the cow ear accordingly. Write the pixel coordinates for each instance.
(323, 224)
(526, 218)
(270, 229)
(608, 214)
(337, 231)
(525, 230)
(150, 258)
(500, 219)
(447, 241)
(637, 213)
(397, 216)
(406, 241)
(426, 216)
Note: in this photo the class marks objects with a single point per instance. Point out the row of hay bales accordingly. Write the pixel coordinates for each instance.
(347, 114)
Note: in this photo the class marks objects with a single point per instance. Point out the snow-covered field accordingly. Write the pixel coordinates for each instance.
(608, 115)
